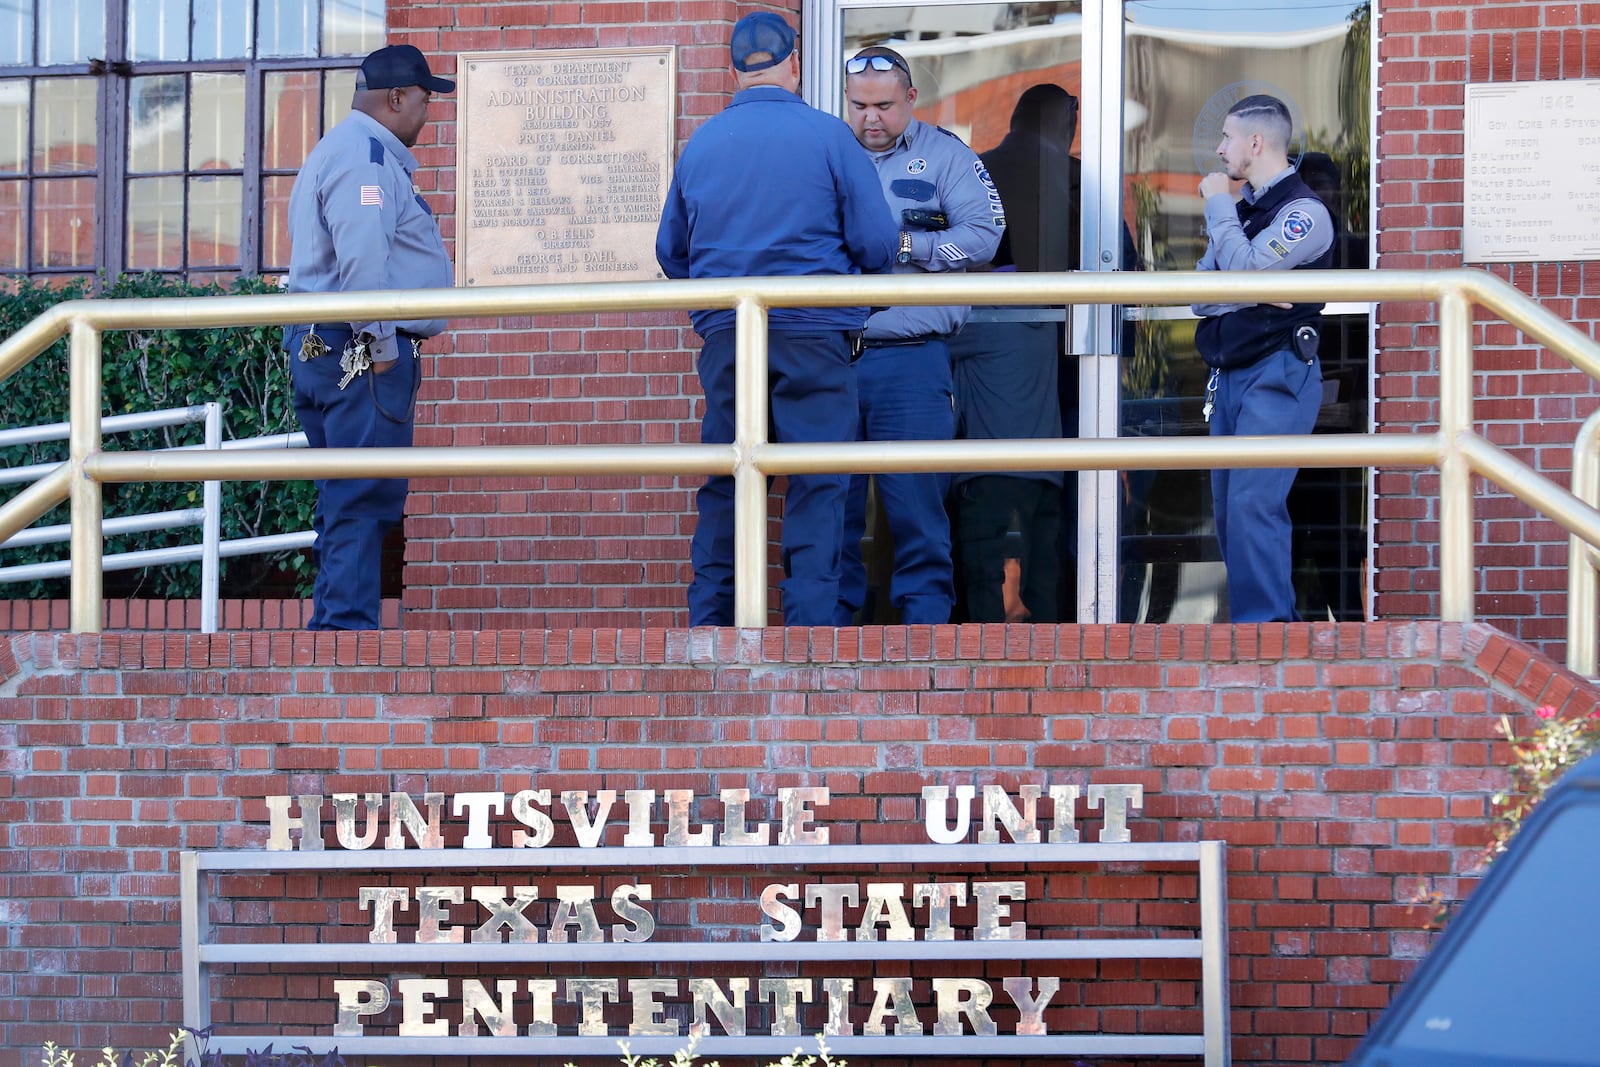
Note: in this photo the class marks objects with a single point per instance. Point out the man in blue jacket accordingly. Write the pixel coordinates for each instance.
(771, 186)
(950, 220)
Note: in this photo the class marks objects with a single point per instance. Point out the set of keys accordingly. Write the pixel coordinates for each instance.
(1211, 394)
(355, 359)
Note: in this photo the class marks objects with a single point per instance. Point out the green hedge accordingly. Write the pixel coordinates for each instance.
(243, 368)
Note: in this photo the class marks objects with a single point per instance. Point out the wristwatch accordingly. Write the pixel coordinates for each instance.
(904, 255)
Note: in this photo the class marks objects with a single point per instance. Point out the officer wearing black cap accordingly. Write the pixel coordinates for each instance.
(356, 222)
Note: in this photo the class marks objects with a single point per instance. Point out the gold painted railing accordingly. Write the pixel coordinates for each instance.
(1454, 448)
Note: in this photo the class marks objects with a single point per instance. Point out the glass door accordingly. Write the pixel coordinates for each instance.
(1139, 546)
(1186, 63)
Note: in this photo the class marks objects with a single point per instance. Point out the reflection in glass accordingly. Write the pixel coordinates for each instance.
(14, 126)
(155, 124)
(158, 29)
(71, 31)
(63, 223)
(275, 222)
(64, 137)
(13, 226)
(351, 27)
(288, 28)
(155, 223)
(216, 134)
(223, 29)
(289, 119)
(216, 208)
(16, 33)
(337, 94)
(1186, 63)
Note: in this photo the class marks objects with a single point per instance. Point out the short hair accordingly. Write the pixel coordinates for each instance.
(1268, 116)
(902, 69)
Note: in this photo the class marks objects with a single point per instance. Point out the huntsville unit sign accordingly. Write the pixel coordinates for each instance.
(576, 917)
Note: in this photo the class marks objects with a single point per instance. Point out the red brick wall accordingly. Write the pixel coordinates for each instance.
(536, 552)
(1528, 401)
(1348, 767)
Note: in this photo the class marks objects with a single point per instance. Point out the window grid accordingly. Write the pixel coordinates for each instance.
(153, 140)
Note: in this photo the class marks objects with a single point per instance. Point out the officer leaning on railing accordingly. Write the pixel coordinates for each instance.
(356, 222)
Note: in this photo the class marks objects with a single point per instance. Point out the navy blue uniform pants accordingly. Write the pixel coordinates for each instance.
(1279, 394)
(905, 395)
(353, 514)
(812, 398)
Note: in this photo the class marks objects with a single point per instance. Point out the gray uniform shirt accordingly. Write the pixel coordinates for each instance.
(1228, 248)
(356, 221)
(932, 169)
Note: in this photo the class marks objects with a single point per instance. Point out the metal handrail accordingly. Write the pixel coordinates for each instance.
(1453, 448)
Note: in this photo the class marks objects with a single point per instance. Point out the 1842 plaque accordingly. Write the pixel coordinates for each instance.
(562, 163)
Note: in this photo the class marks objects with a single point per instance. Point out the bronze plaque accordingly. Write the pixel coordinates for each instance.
(562, 163)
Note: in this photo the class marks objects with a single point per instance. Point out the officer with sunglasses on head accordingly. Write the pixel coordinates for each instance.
(950, 220)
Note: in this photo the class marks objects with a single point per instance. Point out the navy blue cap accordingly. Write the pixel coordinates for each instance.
(760, 40)
(397, 66)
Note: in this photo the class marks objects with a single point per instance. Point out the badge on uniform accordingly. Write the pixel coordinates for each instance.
(1297, 226)
(916, 166)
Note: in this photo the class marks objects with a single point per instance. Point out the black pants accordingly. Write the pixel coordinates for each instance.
(986, 508)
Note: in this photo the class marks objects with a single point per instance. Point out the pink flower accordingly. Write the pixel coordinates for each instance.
(1546, 712)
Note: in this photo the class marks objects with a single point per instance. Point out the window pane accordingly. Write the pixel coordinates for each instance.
(290, 121)
(288, 28)
(155, 223)
(216, 134)
(351, 27)
(16, 33)
(339, 90)
(158, 29)
(216, 206)
(223, 30)
(73, 31)
(13, 226)
(14, 126)
(275, 222)
(155, 124)
(63, 223)
(64, 128)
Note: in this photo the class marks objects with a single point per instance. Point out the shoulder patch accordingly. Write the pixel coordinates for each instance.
(1297, 225)
(995, 207)
(374, 150)
(1277, 246)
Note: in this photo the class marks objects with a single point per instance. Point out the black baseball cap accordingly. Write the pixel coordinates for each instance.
(396, 66)
(760, 40)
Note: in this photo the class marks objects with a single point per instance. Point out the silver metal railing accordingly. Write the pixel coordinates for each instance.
(1454, 448)
(210, 550)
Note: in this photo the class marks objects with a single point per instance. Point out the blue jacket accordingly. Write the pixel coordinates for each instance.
(772, 186)
(933, 169)
(356, 221)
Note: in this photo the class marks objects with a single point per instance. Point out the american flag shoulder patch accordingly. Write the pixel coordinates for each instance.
(372, 194)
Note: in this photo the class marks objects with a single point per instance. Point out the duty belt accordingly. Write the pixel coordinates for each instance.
(310, 349)
(900, 342)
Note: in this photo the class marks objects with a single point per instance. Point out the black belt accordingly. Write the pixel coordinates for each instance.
(900, 342)
(321, 328)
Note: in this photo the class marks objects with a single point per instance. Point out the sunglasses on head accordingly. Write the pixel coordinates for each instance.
(861, 63)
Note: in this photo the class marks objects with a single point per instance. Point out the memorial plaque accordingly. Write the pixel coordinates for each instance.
(1532, 181)
(562, 163)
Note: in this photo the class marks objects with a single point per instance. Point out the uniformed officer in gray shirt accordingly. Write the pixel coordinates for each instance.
(951, 219)
(356, 221)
